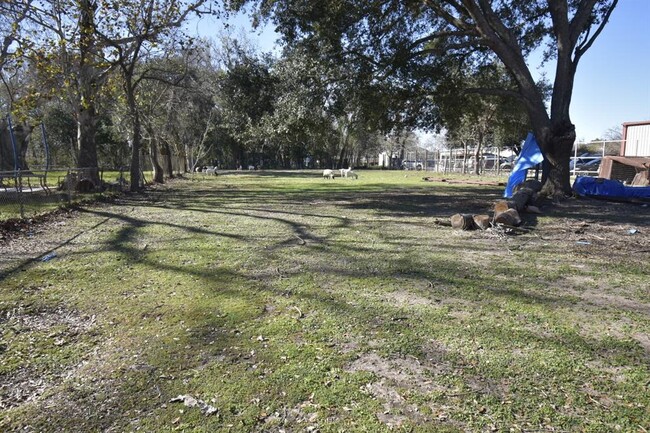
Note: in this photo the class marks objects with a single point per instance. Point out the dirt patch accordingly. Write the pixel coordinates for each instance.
(21, 319)
(644, 341)
(406, 298)
(304, 414)
(16, 228)
(28, 383)
(398, 376)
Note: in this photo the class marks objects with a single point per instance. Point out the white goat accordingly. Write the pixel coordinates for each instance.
(329, 174)
(351, 173)
(211, 170)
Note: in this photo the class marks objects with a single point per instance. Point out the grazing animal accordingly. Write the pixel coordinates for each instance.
(351, 173)
(211, 170)
(329, 174)
(251, 167)
(345, 171)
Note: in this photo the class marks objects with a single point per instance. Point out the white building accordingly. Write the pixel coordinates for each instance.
(636, 139)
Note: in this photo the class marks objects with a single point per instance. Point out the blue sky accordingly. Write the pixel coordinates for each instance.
(612, 84)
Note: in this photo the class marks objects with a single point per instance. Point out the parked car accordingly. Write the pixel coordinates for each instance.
(418, 165)
(585, 162)
(590, 165)
(412, 165)
(488, 162)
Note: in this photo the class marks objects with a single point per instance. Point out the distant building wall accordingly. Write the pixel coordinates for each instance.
(636, 136)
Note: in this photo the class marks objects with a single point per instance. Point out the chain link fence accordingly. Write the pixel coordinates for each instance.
(25, 194)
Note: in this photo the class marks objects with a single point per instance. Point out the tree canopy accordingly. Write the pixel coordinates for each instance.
(398, 39)
(352, 74)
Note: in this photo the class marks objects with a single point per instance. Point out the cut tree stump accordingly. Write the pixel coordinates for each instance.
(507, 211)
(510, 217)
(482, 221)
(463, 221)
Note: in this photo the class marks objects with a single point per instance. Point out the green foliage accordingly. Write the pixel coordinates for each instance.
(411, 43)
(61, 130)
(245, 94)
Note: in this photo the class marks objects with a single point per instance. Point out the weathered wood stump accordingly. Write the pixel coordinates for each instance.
(507, 211)
(482, 221)
(463, 222)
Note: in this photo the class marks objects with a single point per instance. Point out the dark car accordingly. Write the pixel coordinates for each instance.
(588, 165)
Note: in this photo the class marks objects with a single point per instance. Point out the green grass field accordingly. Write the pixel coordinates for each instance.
(280, 301)
(35, 200)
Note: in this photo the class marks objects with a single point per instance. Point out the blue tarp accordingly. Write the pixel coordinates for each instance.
(598, 187)
(529, 157)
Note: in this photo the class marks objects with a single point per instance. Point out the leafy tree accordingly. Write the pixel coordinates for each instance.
(82, 42)
(245, 96)
(475, 120)
(61, 128)
(392, 35)
(12, 16)
(132, 31)
(59, 42)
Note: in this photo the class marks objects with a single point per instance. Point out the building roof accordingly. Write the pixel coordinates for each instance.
(638, 123)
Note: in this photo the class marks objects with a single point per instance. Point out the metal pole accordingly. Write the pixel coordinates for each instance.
(47, 148)
(13, 142)
(575, 157)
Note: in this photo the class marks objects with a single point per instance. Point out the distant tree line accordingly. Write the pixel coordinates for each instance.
(116, 80)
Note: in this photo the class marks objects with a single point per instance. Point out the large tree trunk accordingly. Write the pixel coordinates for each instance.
(557, 146)
(135, 171)
(86, 129)
(167, 159)
(88, 89)
(158, 175)
(343, 150)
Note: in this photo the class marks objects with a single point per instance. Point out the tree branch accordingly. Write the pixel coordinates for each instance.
(495, 92)
(582, 48)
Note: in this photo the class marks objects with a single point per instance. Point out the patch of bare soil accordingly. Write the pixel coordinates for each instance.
(22, 241)
(15, 228)
(28, 383)
(399, 376)
(595, 226)
(304, 414)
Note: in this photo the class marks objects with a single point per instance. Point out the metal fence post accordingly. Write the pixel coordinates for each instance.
(19, 191)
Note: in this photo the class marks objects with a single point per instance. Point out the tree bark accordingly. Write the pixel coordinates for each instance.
(88, 83)
(158, 175)
(167, 159)
(86, 130)
(135, 172)
(556, 174)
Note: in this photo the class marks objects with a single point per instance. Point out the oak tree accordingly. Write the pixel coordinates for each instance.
(391, 35)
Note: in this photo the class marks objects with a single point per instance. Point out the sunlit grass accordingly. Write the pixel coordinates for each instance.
(290, 302)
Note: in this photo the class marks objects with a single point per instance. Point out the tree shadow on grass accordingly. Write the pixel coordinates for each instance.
(333, 260)
(602, 211)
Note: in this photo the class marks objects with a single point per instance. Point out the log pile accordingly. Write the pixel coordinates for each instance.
(506, 212)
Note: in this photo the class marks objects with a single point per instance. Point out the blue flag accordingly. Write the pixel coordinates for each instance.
(530, 156)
